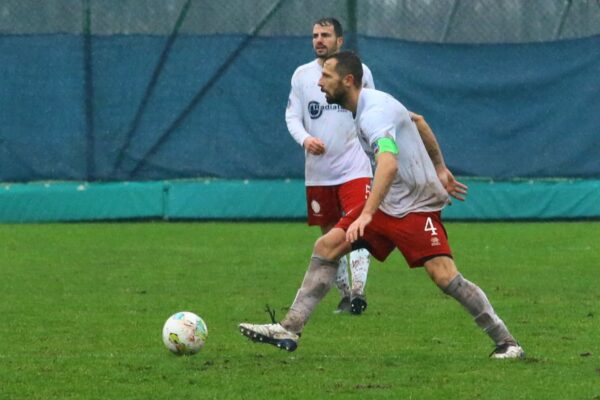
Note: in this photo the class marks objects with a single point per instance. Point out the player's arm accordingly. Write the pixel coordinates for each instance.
(386, 167)
(455, 188)
(431, 144)
(295, 123)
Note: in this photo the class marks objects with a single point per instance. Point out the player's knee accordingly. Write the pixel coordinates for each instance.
(330, 247)
(441, 270)
(323, 248)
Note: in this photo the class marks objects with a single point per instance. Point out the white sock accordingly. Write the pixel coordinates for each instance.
(359, 266)
(341, 279)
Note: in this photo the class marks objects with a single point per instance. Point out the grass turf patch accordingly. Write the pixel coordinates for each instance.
(83, 307)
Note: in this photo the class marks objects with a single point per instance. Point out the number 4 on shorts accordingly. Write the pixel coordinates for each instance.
(430, 228)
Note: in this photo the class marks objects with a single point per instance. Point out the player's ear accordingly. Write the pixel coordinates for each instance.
(340, 42)
(348, 80)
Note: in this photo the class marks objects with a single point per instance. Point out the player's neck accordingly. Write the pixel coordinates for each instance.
(321, 60)
(351, 101)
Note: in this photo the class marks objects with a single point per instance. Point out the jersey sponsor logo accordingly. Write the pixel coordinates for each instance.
(315, 109)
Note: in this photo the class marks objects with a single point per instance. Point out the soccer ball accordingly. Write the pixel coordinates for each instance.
(184, 333)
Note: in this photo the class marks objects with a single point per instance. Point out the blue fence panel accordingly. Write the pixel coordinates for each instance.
(42, 113)
(213, 106)
(502, 110)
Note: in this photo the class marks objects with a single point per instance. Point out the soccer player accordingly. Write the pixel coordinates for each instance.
(403, 211)
(337, 171)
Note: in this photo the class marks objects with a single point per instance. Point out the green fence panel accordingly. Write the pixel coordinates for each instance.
(73, 201)
(528, 200)
(274, 199)
(217, 199)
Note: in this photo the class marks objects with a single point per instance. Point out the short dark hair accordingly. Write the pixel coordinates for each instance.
(348, 63)
(337, 27)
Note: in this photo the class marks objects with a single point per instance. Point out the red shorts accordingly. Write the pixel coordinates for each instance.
(326, 205)
(419, 236)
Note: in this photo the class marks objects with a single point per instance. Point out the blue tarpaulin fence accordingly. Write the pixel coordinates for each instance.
(499, 110)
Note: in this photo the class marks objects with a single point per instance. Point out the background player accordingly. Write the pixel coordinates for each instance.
(337, 171)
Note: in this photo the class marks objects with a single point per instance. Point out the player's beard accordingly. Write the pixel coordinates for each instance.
(328, 52)
(337, 96)
(321, 55)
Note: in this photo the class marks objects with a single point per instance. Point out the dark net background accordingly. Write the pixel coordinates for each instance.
(164, 89)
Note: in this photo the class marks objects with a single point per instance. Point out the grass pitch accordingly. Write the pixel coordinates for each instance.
(83, 307)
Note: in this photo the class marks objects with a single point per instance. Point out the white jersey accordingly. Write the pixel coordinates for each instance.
(309, 114)
(416, 186)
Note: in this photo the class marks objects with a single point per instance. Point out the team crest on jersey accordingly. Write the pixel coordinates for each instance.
(316, 207)
(435, 241)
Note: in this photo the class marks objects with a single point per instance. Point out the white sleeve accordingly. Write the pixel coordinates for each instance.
(376, 125)
(367, 80)
(293, 114)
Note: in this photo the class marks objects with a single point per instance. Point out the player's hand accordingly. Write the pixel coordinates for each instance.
(314, 145)
(357, 228)
(456, 189)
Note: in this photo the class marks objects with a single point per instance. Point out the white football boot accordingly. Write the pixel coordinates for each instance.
(508, 350)
(273, 334)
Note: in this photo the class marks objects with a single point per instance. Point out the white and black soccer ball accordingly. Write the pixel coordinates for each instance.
(184, 333)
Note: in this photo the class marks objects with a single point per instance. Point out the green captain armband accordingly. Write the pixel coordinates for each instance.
(385, 145)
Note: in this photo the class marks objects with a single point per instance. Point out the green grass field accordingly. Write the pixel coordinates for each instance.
(83, 307)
